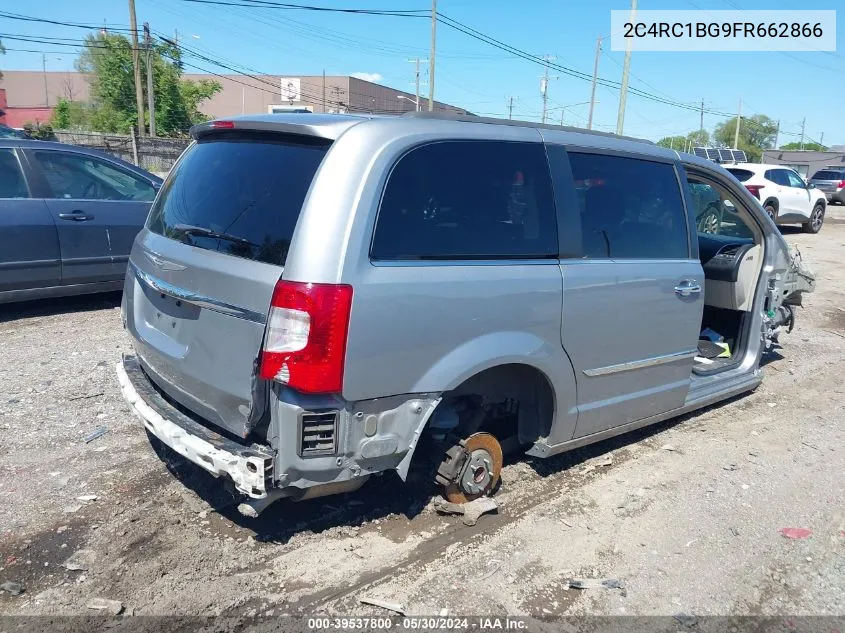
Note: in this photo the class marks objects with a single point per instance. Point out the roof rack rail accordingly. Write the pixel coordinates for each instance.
(472, 118)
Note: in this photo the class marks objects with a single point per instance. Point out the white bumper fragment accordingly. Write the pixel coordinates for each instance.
(246, 472)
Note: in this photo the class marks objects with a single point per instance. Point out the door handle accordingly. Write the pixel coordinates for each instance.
(76, 216)
(688, 288)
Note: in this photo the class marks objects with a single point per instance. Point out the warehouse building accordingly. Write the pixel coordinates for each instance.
(31, 95)
(806, 162)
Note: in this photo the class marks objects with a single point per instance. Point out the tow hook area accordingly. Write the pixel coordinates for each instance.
(471, 468)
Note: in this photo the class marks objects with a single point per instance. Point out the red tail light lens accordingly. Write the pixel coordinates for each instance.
(305, 340)
(755, 190)
(223, 125)
(841, 184)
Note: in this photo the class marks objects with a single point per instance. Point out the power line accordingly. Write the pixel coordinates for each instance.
(487, 39)
(410, 13)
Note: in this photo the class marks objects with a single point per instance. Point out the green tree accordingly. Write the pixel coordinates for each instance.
(107, 60)
(673, 142)
(756, 133)
(72, 115)
(2, 52)
(816, 147)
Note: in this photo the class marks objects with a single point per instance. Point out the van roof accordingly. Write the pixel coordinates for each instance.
(330, 126)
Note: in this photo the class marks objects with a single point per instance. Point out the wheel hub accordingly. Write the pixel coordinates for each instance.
(472, 468)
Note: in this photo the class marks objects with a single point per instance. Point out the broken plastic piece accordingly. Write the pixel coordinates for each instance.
(384, 604)
(795, 533)
(471, 510)
(95, 434)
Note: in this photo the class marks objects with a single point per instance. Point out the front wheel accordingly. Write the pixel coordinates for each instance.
(814, 225)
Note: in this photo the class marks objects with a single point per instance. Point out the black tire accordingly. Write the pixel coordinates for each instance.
(770, 211)
(816, 220)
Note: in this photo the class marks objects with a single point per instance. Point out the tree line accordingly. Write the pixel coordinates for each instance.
(756, 133)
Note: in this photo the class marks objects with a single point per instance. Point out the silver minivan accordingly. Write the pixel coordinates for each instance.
(316, 299)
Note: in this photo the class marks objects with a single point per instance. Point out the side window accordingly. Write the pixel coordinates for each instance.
(12, 182)
(468, 200)
(715, 211)
(795, 180)
(77, 176)
(630, 208)
(779, 177)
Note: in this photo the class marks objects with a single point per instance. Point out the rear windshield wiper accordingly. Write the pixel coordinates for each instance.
(190, 229)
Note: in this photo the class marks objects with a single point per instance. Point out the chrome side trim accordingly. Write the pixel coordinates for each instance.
(640, 364)
(159, 285)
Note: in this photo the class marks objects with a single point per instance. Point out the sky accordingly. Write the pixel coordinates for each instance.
(789, 87)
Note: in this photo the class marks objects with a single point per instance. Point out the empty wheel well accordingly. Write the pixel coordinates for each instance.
(773, 202)
(507, 400)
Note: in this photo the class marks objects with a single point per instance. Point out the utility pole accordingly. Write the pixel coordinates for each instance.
(738, 123)
(595, 78)
(44, 72)
(417, 82)
(544, 85)
(821, 140)
(777, 134)
(701, 118)
(626, 70)
(510, 108)
(803, 122)
(324, 90)
(431, 56)
(136, 64)
(150, 96)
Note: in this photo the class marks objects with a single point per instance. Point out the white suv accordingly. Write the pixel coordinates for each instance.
(784, 194)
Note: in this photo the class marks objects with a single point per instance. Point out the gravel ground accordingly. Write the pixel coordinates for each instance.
(685, 515)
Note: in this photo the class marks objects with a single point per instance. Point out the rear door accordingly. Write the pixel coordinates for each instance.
(788, 201)
(29, 242)
(203, 270)
(98, 208)
(633, 287)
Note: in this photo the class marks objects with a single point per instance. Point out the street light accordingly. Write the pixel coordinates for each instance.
(416, 101)
(570, 105)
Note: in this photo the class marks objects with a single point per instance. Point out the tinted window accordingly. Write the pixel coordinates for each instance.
(468, 200)
(239, 194)
(741, 174)
(829, 175)
(78, 176)
(795, 180)
(12, 183)
(778, 176)
(630, 208)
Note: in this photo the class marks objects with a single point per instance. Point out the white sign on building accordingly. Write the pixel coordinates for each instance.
(291, 89)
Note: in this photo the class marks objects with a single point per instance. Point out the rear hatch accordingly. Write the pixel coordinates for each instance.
(828, 180)
(202, 271)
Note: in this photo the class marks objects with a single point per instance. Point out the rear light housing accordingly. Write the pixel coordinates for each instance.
(755, 190)
(305, 340)
(841, 184)
(223, 125)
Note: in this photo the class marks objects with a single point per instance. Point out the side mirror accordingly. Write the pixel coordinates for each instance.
(811, 185)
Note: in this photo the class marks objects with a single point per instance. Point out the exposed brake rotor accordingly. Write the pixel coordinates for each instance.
(471, 468)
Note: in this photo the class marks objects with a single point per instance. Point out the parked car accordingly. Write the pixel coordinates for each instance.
(831, 181)
(314, 300)
(68, 218)
(786, 197)
(10, 132)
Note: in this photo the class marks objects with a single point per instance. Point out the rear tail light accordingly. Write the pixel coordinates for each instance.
(305, 340)
(223, 125)
(755, 190)
(841, 184)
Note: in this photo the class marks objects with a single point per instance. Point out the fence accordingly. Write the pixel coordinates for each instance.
(153, 154)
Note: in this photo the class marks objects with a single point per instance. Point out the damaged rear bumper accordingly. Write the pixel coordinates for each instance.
(249, 467)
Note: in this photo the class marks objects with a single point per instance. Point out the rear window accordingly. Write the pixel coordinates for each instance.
(239, 194)
(741, 174)
(829, 175)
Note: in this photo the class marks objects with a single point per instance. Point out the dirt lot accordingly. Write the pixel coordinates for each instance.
(686, 517)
